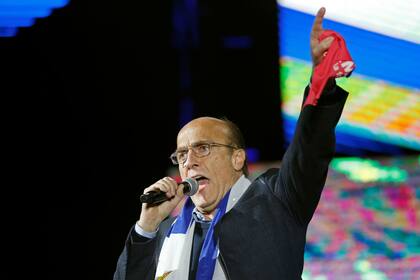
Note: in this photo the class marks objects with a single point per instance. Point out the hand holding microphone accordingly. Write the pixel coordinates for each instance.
(161, 198)
(189, 187)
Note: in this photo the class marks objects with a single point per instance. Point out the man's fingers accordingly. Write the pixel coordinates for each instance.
(320, 50)
(171, 184)
(326, 43)
(156, 187)
(323, 46)
(167, 185)
(319, 17)
(317, 25)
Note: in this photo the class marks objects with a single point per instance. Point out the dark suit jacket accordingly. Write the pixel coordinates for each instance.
(263, 235)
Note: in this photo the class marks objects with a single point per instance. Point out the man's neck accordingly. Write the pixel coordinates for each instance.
(208, 215)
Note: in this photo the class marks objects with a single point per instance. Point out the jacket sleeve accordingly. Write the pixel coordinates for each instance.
(140, 255)
(305, 164)
(138, 259)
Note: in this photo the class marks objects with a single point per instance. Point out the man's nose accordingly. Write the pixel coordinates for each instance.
(191, 159)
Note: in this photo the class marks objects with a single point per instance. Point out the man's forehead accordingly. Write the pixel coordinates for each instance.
(202, 130)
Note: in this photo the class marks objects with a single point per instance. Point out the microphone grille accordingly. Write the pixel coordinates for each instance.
(193, 186)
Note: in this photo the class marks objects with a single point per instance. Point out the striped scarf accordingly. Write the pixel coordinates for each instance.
(174, 259)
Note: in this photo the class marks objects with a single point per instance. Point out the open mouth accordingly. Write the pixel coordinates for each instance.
(202, 181)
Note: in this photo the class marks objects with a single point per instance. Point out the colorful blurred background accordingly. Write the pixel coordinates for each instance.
(367, 225)
(94, 93)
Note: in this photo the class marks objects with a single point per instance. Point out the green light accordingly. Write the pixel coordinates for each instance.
(367, 271)
(362, 266)
(366, 170)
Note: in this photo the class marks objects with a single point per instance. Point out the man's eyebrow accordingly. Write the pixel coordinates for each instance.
(201, 142)
(194, 144)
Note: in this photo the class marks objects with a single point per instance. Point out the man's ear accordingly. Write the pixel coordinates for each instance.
(238, 159)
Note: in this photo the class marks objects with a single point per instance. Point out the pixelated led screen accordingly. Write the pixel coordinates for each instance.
(367, 224)
(383, 38)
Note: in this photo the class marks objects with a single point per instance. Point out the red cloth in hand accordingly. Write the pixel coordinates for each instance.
(337, 63)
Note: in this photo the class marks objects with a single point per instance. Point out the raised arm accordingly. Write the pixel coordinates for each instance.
(303, 172)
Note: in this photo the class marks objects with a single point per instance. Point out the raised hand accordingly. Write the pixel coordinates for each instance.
(319, 49)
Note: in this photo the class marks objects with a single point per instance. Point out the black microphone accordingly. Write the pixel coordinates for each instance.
(190, 187)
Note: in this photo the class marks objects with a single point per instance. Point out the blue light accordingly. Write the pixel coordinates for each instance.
(16, 22)
(22, 13)
(253, 155)
(186, 110)
(46, 3)
(8, 11)
(237, 42)
(8, 31)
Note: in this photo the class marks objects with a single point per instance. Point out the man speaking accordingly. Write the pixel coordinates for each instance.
(232, 228)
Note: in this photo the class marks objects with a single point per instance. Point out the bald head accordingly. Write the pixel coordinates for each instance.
(209, 126)
(216, 130)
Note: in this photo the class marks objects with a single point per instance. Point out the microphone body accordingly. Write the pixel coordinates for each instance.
(190, 187)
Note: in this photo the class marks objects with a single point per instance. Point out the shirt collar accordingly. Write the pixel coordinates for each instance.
(200, 218)
(237, 190)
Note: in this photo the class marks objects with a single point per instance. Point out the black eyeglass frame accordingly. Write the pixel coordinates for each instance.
(173, 157)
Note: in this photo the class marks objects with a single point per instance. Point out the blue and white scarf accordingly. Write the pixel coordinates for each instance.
(174, 259)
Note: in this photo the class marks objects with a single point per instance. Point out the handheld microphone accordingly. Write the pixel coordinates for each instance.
(190, 187)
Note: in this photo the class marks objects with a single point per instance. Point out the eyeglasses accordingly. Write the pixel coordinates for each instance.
(199, 149)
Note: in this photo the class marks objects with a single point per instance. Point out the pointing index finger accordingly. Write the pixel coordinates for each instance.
(317, 25)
